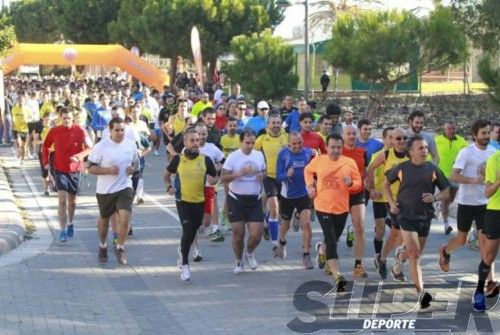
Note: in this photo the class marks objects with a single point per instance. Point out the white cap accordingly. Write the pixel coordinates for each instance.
(262, 104)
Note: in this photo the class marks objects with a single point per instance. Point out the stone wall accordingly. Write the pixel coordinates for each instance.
(463, 109)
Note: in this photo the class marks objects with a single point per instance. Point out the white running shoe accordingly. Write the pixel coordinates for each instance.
(239, 268)
(185, 273)
(252, 262)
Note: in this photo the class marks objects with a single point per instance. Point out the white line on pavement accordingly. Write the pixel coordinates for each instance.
(161, 207)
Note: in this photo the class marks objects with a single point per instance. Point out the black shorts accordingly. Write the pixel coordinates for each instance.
(288, 205)
(21, 134)
(271, 187)
(110, 203)
(69, 182)
(357, 199)
(421, 227)
(380, 210)
(394, 219)
(244, 208)
(466, 214)
(36, 127)
(491, 227)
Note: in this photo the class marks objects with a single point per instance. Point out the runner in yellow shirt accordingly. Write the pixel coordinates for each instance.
(271, 143)
(448, 145)
(20, 115)
(491, 229)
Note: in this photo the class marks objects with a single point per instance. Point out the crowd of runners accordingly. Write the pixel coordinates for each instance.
(278, 168)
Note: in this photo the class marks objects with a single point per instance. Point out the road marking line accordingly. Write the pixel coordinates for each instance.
(161, 207)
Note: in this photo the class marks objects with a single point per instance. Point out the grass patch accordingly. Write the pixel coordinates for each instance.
(451, 87)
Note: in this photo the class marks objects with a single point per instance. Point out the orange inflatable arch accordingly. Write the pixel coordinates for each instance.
(84, 54)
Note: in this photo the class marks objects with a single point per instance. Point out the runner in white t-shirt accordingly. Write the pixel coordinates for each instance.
(468, 172)
(132, 134)
(114, 160)
(244, 170)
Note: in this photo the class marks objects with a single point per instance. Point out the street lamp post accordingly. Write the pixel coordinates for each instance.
(306, 45)
(287, 3)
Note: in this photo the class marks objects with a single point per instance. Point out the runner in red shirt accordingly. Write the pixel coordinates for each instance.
(71, 146)
(311, 139)
(356, 199)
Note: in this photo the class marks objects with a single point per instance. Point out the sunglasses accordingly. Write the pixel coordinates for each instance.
(399, 138)
(264, 109)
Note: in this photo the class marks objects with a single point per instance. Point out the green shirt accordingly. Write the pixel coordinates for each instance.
(491, 176)
(448, 150)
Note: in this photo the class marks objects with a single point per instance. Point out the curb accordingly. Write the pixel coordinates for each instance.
(12, 230)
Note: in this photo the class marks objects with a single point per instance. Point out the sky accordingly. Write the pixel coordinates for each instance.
(294, 15)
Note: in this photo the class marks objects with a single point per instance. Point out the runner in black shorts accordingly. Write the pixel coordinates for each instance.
(290, 172)
(271, 187)
(357, 206)
(491, 232)
(413, 206)
(383, 161)
(244, 170)
(468, 172)
(270, 144)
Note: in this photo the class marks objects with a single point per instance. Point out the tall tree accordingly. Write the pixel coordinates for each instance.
(86, 21)
(479, 21)
(264, 65)
(163, 26)
(489, 71)
(325, 12)
(386, 47)
(7, 35)
(34, 21)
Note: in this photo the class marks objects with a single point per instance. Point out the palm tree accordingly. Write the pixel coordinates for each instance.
(327, 11)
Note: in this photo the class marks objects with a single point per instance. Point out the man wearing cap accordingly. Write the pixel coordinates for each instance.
(258, 122)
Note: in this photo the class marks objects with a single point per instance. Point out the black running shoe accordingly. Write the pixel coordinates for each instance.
(425, 300)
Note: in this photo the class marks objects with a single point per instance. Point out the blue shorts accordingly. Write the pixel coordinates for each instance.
(158, 132)
(69, 182)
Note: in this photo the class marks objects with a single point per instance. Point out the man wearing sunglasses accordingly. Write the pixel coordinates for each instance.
(258, 122)
(387, 159)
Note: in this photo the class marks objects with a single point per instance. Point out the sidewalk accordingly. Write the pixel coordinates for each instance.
(64, 290)
(12, 230)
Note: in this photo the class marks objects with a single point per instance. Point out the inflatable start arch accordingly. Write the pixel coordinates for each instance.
(83, 54)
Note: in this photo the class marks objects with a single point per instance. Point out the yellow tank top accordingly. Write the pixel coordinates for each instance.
(270, 147)
(379, 177)
(190, 179)
(178, 125)
(20, 116)
(391, 161)
(229, 144)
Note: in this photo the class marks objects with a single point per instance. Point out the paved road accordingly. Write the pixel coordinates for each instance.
(51, 288)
